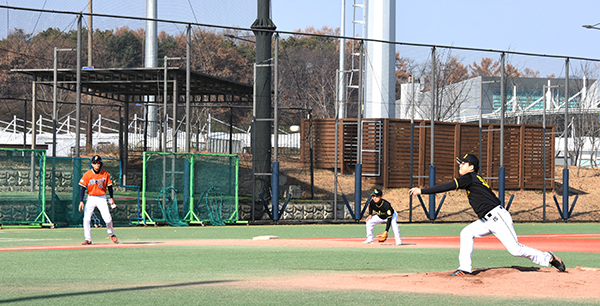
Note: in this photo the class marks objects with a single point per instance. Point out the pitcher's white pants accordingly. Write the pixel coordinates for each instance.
(102, 204)
(498, 222)
(376, 220)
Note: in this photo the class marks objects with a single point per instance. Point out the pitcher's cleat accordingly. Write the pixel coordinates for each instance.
(86, 242)
(459, 273)
(368, 241)
(114, 239)
(557, 263)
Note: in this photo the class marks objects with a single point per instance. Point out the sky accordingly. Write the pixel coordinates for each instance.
(544, 27)
(532, 26)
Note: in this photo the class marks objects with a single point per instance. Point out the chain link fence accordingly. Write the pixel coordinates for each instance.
(443, 83)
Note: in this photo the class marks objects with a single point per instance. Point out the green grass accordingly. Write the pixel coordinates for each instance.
(186, 274)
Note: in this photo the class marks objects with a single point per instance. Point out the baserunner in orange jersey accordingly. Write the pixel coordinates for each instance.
(96, 181)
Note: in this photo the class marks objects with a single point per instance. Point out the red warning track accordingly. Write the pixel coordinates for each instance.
(588, 243)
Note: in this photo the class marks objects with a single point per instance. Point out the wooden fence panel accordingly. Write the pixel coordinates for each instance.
(372, 154)
(398, 148)
(469, 144)
(533, 156)
(445, 153)
(348, 143)
(512, 156)
(386, 151)
(323, 143)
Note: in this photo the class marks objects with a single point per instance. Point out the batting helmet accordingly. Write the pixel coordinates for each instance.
(97, 159)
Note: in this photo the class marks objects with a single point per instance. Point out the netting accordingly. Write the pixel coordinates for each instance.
(167, 201)
(40, 190)
(194, 177)
(62, 190)
(213, 201)
(22, 181)
(433, 83)
(217, 173)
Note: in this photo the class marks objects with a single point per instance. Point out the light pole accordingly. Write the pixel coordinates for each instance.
(165, 116)
(593, 26)
(56, 50)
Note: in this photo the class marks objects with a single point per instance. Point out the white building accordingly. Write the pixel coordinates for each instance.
(463, 101)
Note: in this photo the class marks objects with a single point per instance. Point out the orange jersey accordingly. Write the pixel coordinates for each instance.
(95, 183)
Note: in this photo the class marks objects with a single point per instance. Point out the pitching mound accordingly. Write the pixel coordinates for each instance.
(579, 282)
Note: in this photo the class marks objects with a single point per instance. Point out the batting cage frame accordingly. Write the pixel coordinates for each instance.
(206, 185)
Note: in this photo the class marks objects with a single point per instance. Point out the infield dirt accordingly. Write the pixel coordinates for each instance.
(514, 281)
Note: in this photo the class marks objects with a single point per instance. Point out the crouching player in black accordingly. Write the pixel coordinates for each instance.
(384, 213)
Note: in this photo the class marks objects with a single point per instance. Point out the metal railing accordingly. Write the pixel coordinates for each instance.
(106, 131)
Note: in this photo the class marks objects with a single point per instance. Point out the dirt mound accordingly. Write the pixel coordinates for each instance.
(579, 282)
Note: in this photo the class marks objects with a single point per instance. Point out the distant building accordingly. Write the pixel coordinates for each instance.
(463, 101)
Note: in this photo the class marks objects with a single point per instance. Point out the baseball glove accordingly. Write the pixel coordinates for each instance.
(382, 237)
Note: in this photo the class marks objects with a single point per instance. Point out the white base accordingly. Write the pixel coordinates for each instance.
(265, 237)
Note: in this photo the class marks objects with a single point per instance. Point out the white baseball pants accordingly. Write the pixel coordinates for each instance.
(376, 220)
(498, 222)
(101, 203)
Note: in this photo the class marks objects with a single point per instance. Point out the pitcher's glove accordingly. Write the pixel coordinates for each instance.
(382, 237)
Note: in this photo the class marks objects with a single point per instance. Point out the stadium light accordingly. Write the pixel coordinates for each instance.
(54, 115)
(594, 26)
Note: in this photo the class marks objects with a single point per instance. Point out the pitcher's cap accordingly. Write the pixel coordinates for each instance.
(471, 159)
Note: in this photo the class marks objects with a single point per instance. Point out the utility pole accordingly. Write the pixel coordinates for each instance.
(263, 29)
(78, 88)
(88, 145)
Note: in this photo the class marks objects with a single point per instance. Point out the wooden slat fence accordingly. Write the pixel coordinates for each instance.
(387, 143)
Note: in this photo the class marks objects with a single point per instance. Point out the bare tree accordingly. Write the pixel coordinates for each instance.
(584, 126)
(452, 88)
(307, 73)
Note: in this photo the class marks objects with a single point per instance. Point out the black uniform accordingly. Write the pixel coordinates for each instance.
(493, 219)
(480, 195)
(384, 210)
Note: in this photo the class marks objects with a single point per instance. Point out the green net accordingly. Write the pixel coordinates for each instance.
(62, 192)
(36, 189)
(191, 175)
(167, 201)
(127, 196)
(216, 184)
(213, 200)
(22, 183)
(62, 189)
(113, 166)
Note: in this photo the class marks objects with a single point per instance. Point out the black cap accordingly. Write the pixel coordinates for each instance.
(96, 158)
(471, 159)
(377, 192)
